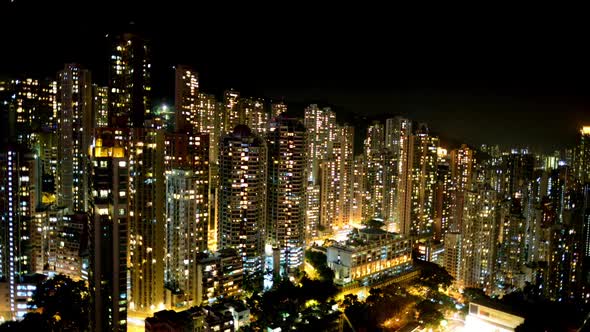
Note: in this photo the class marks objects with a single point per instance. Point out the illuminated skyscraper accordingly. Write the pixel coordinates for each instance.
(286, 189)
(231, 114)
(188, 208)
(321, 132)
(108, 233)
(374, 172)
(423, 177)
(320, 124)
(462, 163)
(75, 131)
(479, 233)
(187, 226)
(358, 189)
(398, 133)
(312, 213)
(146, 218)
(242, 196)
(100, 105)
(277, 108)
(583, 156)
(34, 102)
(186, 100)
(129, 81)
(252, 113)
(17, 194)
(210, 122)
(336, 180)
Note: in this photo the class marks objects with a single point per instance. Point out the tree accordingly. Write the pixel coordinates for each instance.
(433, 276)
(64, 301)
(62, 305)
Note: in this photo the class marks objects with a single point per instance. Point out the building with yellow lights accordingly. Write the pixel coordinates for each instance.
(369, 253)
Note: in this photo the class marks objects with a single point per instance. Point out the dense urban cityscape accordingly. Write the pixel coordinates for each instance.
(235, 213)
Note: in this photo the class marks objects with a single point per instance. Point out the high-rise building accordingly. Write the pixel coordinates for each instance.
(286, 189)
(398, 134)
(35, 107)
(146, 218)
(129, 81)
(252, 113)
(443, 196)
(186, 100)
(100, 105)
(478, 240)
(75, 130)
(187, 224)
(17, 192)
(242, 196)
(373, 206)
(210, 122)
(109, 232)
(336, 181)
(321, 132)
(583, 156)
(312, 213)
(358, 190)
(231, 113)
(423, 177)
(277, 108)
(462, 162)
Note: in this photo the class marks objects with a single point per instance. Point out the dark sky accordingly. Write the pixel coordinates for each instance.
(482, 77)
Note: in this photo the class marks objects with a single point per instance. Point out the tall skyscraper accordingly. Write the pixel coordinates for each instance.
(186, 99)
(320, 124)
(374, 172)
(321, 132)
(462, 163)
(286, 189)
(398, 133)
(108, 232)
(188, 213)
(129, 81)
(146, 218)
(17, 191)
(231, 113)
(277, 108)
(75, 130)
(242, 196)
(583, 155)
(479, 234)
(100, 105)
(424, 167)
(253, 114)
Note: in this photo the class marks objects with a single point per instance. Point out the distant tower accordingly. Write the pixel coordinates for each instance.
(242, 196)
(130, 81)
(186, 100)
(583, 155)
(75, 132)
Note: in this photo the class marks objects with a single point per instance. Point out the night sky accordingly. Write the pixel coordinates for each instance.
(478, 78)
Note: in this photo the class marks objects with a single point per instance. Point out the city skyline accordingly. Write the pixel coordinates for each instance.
(170, 177)
(486, 82)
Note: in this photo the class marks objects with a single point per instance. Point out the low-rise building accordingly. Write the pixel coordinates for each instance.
(219, 275)
(368, 255)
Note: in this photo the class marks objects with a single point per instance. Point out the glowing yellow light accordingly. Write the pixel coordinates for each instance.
(585, 130)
